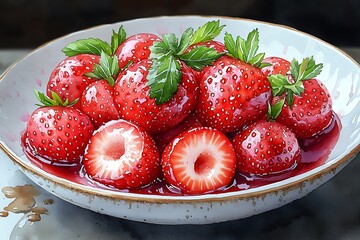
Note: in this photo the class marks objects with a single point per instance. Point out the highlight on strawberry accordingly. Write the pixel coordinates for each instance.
(196, 113)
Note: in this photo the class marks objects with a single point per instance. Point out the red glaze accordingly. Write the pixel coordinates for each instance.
(68, 79)
(232, 94)
(313, 155)
(266, 148)
(135, 48)
(98, 103)
(132, 99)
(311, 112)
(278, 66)
(58, 134)
(200, 160)
(122, 155)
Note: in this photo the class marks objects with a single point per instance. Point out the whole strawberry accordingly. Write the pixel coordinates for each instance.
(276, 65)
(132, 98)
(234, 92)
(97, 99)
(68, 79)
(123, 155)
(57, 133)
(158, 93)
(307, 108)
(135, 48)
(266, 148)
(199, 160)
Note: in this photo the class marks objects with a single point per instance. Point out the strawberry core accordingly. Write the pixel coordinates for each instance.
(204, 163)
(115, 149)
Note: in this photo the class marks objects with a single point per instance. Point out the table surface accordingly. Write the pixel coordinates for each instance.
(330, 212)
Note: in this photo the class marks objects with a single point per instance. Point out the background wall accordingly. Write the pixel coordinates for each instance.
(29, 23)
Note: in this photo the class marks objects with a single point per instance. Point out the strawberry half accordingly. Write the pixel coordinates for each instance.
(266, 148)
(200, 160)
(123, 155)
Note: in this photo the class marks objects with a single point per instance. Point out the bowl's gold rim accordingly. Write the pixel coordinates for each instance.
(221, 197)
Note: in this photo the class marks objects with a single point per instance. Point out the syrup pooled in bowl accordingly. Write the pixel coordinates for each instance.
(314, 152)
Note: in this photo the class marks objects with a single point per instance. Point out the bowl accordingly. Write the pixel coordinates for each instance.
(340, 75)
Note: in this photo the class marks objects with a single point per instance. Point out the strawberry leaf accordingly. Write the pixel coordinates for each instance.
(207, 32)
(55, 99)
(163, 78)
(275, 110)
(200, 57)
(107, 68)
(278, 83)
(245, 50)
(117, 38)
(308, 69)
(87, 46)
(184, 41)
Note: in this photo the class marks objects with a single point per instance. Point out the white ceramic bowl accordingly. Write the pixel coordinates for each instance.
(340, 74)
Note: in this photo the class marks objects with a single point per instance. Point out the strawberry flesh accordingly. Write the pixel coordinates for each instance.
(122, 155)
(278, 66)
(200, 160)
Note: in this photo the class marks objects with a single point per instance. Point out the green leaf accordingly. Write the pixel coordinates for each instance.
(107, 68)
(207, 32)
(278, 83)
(275, 110)
(167, 46)
(200, 57)
(163, 78)
(245, 50)
(231, 45)
(308, 69)
(55, 99)
(184, 41)
(117, 38)
(87, 46)
(171, 42)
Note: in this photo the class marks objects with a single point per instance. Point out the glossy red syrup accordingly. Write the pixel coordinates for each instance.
(315, 152)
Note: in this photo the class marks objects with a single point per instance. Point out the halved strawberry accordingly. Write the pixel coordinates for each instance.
(123, 155)
(277, 65)
(199, 160)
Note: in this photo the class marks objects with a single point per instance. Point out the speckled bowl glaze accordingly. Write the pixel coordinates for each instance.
(340, 74)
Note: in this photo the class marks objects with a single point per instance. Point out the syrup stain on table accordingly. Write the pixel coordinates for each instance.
(24, 202)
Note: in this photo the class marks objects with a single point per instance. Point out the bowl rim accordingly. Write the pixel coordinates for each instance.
(258, 192)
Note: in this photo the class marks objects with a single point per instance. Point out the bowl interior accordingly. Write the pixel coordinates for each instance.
(340, 74)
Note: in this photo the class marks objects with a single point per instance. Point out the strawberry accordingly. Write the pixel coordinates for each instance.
(68, 78)
(308, 107)
(234, 93)
(135, 48)
(266, 148)
(123, 155)
(199, 160)
(97, 99)
(56, 132)
(277, 65)
(133, 100)
(158, 93)
(164, 138)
